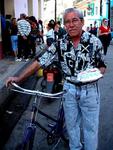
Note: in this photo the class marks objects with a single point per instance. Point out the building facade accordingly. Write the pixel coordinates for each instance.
(96, 10)
(49, 9)
(29, 7)
(91, 11)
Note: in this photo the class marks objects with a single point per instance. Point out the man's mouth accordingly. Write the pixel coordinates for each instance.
(73, 30)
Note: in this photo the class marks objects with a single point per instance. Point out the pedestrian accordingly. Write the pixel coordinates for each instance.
(24, 29)
(41, 31)
(6, 38)
(59, 31)
(14, 37)
(33, 35)
(104, 34)
(93, 29)
(50, 35)
(79, 51)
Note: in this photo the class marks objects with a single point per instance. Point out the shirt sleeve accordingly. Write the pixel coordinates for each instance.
(48, 57)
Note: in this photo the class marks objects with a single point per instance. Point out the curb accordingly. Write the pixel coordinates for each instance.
(4, 93)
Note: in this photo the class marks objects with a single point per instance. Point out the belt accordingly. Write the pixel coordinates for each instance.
(81, 83)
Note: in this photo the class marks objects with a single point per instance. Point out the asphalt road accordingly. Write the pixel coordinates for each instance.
(106, 116)
(106, 111)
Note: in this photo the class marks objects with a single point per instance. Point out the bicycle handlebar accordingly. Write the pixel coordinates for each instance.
(36, 92)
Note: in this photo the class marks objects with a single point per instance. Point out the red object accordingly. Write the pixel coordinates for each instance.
(50, 77)
(103, 30)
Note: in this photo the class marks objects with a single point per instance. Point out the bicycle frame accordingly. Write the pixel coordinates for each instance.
(55, 131)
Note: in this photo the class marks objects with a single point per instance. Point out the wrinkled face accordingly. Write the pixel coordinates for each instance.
(73, 24)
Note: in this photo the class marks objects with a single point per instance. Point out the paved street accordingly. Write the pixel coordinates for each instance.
(106, 115)
(106, 112)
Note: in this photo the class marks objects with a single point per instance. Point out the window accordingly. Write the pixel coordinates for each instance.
(96, 10)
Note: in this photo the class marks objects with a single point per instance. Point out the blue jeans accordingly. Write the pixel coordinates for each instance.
(14, 41)
(81, 106)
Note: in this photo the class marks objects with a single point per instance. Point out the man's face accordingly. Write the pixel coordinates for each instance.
(73, 24)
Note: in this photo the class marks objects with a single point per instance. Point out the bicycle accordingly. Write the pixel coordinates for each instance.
(57, 130)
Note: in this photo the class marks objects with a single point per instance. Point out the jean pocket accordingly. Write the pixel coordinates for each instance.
(92, 98)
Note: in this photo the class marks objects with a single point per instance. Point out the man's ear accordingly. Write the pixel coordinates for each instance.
(82, 20)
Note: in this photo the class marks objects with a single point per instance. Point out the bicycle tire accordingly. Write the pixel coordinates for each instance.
(58, 132)
(27, 143)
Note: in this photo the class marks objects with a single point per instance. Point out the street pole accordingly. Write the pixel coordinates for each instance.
(55, 10)
(109, 12)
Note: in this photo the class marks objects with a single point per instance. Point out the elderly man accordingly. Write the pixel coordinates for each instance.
(77, 52)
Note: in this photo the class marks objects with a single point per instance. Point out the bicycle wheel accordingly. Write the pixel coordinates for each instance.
(27, 143)
(55, 137)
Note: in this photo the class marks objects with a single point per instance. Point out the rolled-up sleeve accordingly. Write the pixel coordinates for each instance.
(48, 57)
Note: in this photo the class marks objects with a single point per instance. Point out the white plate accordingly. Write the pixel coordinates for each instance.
(89, 75)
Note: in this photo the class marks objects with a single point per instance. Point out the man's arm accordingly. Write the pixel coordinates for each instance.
(25, 74)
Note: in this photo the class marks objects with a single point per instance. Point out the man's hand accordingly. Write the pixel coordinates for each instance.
(102, 70)
(12, 79)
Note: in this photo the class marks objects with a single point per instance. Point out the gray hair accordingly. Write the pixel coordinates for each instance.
(75, 10)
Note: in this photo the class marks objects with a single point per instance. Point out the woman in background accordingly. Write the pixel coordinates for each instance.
(14, 37)
(50, 36)
(104, 34)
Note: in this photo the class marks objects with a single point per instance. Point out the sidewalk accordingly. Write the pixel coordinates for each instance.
(111, 42)
(9, 67)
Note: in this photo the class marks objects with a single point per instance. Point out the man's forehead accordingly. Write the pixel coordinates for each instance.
(72, 15)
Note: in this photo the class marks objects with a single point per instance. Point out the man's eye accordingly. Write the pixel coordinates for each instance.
(75, 20)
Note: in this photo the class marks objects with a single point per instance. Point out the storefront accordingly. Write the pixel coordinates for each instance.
(91, 10)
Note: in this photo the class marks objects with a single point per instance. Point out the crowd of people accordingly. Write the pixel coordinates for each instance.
(21, 35)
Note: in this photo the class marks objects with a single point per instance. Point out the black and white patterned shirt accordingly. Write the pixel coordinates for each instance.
(88, 54)
(24, 27)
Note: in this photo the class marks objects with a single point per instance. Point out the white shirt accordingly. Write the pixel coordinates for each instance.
(50, 34)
